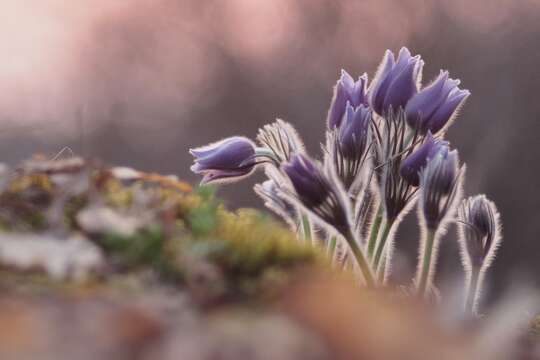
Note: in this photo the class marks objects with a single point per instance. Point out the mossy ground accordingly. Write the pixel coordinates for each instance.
(187, 238)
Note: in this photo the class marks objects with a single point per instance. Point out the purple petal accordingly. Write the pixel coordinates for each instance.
(401, 89)
(381, 81)
(213, 176)
(358, 95)
(415, 162)
(423, 104)
(445, 112)
(342, 90)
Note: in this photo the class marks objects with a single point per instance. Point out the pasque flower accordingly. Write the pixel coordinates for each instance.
(346, 91)
(322, 195)
(435, 105)
(350, 143)
(479, 230)
(439, 184)
(396, 81)
(415, 162)
(383, 154)
(440, 189)
(479, 238)
(225, 160)
(317, 192)
(353, 132)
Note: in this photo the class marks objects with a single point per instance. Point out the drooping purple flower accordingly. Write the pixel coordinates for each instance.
(321, 195)
(346, 91)
(439, 187)
(415, 162)
(396, 81)
(225, 160)
(479, 231)
(317, 192)
(433, 107)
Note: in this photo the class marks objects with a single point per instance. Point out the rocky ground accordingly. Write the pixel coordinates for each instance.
(105, 262)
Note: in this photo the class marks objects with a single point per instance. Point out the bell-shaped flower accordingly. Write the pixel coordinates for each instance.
(346, 91)
(435, 105)
(318, 193)
(414, 163)
(353, 132)
(440, 187)
(321, 194)
(226, 160)
(349, 145)
(480, 229)
(396, 82)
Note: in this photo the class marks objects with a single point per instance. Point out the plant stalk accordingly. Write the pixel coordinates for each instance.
(427, 260)
(374, 233)
(306, 229)
(361, 260)
(472, 291)
(332, 246)
(382, 243)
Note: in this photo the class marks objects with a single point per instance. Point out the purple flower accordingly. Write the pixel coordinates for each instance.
(434, 106)
(346, 90)
(415, 162)
(439, 187)
(353, 131)
(396, 81)
(348, 146)
(225, 160)
(317, 192)
(479, 230)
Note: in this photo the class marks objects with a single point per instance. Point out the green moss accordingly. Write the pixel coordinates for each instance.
(21, 213)
(71, 209)
(244, 251)
(117, 195)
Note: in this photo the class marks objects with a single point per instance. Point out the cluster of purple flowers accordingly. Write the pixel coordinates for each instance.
(384, 153)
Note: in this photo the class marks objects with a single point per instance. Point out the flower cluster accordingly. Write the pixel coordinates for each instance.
(385, 153)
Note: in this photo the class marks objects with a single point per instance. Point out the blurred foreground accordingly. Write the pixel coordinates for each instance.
(113, 263)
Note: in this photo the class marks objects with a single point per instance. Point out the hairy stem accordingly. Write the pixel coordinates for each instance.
(374, 232)
(332, 246)
(306, 229)
(382, 243)
(427, 260)
(361, 260)
(472, 291)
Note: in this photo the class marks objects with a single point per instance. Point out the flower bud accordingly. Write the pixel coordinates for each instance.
(349, 145)
(415, 162)
(353, 132)
(439, 187)
(396, 81)
(317, 192)
(346, 91)
(479, 230)
(225, 160)
(435, 105)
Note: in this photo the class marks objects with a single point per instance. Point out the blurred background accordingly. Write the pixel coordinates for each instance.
(138, 82)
